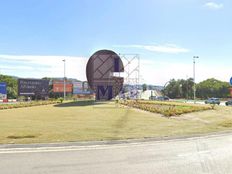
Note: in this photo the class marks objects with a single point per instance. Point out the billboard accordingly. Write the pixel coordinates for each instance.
(230, 92)
(3, 91)
(77, 87)
(81, 88)
(3, 88)
(86, 86)
(33, 87)
(58, 86)
(100, 67)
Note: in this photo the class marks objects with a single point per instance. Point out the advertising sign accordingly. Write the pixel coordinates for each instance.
(3, 88)
(58, 86)
(3, 91)
(77, 87)
(33, 87)
(100, 67)
(85, 86)
(231, 81)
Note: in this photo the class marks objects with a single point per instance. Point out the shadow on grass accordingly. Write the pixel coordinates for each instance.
(79, 103)
(21, 136)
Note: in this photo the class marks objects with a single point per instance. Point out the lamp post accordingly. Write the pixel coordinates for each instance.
(64, 81)
(180, 95)
(194, 77)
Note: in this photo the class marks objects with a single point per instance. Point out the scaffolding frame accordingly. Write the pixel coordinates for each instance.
(131, 74)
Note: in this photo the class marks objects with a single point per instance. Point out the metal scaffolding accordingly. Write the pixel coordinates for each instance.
(131, 76)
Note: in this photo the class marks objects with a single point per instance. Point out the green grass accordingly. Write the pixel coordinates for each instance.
(27, 104)
(83, 121)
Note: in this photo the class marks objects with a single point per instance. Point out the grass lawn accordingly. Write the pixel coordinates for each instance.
(81, 121)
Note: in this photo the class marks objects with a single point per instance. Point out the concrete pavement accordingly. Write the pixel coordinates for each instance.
(210, 154)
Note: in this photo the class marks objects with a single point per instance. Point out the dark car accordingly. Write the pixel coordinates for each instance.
(162, 98)
(152, 98)
(213, 101)
(229, 103)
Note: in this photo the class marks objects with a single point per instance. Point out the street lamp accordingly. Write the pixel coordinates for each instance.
(194, 76)
(64, 81)
(180, 90)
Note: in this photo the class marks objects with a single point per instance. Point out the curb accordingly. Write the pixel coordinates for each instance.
(115, 142)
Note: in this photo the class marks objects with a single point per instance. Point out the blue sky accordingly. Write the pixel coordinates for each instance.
(35, 35)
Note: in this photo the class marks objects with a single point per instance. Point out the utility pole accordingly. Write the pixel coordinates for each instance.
(194, 77)
(64, 81)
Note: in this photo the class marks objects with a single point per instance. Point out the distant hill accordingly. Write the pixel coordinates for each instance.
(149, 87)
(62, 78)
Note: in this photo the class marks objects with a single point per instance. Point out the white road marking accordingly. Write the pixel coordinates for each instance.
(196, 153)
(99, 147)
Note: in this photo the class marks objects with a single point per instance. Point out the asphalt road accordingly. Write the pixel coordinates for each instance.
(222, 103)
(212, 154)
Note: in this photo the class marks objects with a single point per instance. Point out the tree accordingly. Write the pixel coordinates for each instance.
(144, 87)
(187, 88)
(213, 88)
(12, 86)
(179, 88)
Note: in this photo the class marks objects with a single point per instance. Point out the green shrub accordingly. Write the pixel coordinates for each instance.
(27, 104)
(61, 99)
(165, 108)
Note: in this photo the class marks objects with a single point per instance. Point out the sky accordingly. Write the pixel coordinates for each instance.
(36, 35)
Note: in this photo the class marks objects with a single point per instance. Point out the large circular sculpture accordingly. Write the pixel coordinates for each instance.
(103, 74)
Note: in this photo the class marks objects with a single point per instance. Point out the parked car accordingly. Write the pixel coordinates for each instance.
(162, 98)
(229, 103)
(213, 101)
(159, 98)
(152, 98)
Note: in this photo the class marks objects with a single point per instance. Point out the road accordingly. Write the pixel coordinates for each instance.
(222, 103)
(211, 154)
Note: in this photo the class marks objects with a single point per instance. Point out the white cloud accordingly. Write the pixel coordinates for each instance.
(152, 71)
(159, 72)
(43, 66)
(214, 5)
(167, 48)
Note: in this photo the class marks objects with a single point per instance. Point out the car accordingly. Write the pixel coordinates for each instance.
(162, 98)
(152, 98)
(229, 103)
(159, 98)
(213, 101)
